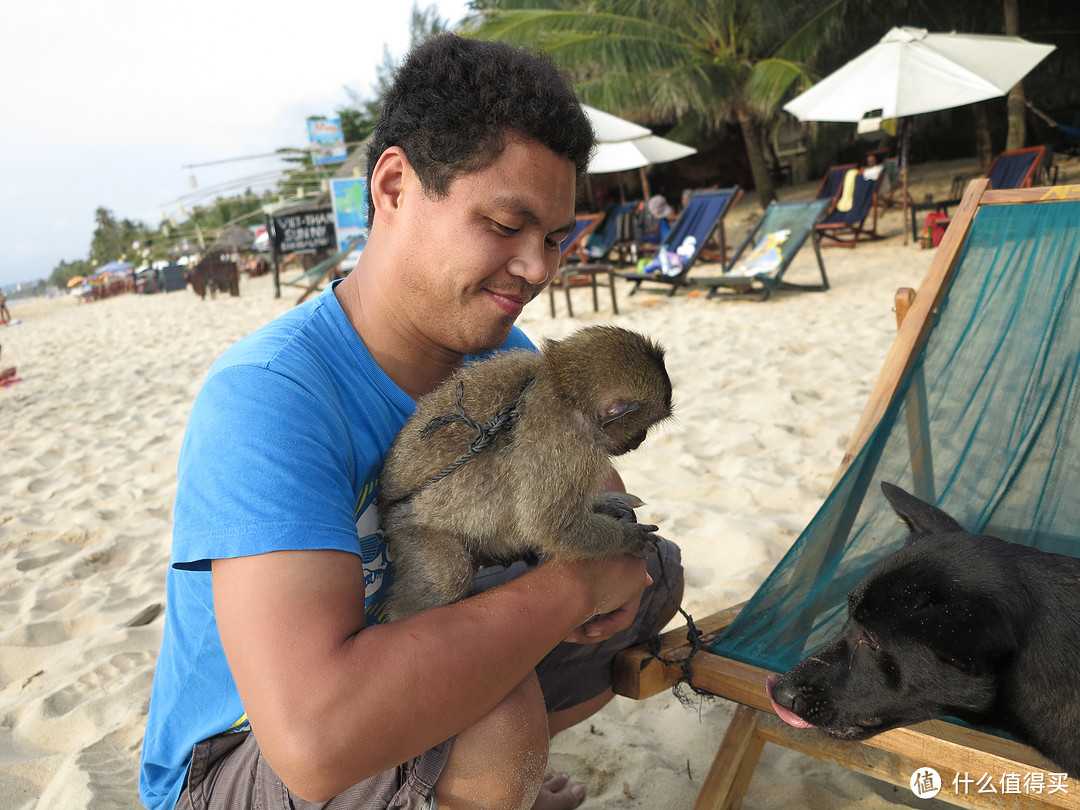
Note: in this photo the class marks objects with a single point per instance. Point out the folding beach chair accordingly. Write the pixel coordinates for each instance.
(313, 280)
(975, 410)
(704, 213)
(845, 225)
(833, 181)
(1014, 169)
(575, 271)
(605, 240)
(760, 262)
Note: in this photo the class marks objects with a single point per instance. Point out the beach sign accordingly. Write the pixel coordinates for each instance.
(327, 141)
(349, 198)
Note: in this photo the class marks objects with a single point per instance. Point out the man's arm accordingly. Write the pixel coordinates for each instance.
(333, 702)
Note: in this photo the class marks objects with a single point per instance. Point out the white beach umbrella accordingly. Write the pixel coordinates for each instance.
(622, 145)
(610, 128)
(635, 154)
(911, 71)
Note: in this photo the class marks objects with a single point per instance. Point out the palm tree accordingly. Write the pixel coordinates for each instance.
(698, 63)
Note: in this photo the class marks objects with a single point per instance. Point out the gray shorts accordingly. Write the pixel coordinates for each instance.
(228, 771)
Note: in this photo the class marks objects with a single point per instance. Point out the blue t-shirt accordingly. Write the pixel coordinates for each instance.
(282, 450)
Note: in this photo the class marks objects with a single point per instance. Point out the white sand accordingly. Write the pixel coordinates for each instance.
(767, 394)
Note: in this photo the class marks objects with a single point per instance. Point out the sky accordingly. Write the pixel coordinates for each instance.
(104, 102)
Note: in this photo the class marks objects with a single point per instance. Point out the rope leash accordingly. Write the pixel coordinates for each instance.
(685, 664)
(501, 422)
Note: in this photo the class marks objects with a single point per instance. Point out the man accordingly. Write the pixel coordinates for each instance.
(275, 677)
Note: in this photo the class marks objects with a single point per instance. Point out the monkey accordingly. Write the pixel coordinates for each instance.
(505, 460)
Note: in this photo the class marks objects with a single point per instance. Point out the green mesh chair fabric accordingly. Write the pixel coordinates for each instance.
(984, 424)
(796, 216)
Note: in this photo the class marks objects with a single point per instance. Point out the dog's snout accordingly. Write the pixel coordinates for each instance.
(784, 693)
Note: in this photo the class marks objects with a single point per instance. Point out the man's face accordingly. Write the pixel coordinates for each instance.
(474, 258)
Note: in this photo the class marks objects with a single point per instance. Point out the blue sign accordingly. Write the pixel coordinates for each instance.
(349, 197)
(327, 141)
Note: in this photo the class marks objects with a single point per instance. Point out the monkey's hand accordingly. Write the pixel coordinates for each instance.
(639, 538)
(618, 505)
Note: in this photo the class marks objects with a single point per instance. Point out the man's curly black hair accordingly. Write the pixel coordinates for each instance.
(454, 101)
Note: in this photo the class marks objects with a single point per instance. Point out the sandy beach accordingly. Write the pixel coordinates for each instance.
(766, 396)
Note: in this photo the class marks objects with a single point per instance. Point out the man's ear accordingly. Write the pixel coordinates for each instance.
(388, 182)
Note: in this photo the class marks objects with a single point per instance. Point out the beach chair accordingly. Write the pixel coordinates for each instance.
(575, 271)
(974, 410)
(846, 223)
(1017, 168)
(704, 214)
(760, 262)
(313, 280)
(615, 231)
(833, 181)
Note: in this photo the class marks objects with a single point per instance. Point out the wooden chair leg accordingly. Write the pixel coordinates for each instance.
(733, 767)
(611, 286)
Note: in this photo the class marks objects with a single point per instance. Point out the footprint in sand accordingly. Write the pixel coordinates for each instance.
(113, 774)
(108, 676)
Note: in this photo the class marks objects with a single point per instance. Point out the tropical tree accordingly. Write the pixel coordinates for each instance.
(699, 63)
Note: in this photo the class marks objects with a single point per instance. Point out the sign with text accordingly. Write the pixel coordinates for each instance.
(303, 232)
(349, 198)
(327, 141)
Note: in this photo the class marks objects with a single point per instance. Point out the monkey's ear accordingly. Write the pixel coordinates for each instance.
(615, 408)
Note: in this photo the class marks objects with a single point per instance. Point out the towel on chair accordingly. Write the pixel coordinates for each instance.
(847, 193)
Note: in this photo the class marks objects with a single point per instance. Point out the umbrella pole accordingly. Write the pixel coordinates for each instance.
(905, 138)
(644, 184)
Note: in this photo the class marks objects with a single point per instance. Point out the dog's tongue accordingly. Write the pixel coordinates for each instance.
(786, 715)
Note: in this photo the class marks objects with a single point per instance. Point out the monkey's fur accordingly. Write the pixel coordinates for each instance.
(534, 489)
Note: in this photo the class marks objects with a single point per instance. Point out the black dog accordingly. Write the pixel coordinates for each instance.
(952, 625)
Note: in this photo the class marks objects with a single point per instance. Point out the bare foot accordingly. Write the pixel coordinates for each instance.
(558, 794)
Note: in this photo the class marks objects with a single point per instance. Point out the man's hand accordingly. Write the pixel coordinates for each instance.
(616, 584)
(602, 627)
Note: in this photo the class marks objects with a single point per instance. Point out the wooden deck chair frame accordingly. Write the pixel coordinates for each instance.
(312, 280)
(581, 273)
(763, 286)
(682, 279)
(894, 755)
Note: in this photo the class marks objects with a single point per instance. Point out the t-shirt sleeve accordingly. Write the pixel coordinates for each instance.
(265, 466)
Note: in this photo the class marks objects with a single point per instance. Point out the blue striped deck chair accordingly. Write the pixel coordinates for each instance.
(704, 214)
(847, 227)
(976, 411)
(758, 266)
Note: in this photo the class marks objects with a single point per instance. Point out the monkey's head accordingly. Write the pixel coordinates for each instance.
(616, 379)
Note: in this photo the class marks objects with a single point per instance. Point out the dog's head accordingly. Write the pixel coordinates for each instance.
(927, 632)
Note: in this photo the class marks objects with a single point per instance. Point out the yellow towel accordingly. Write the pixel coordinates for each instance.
(847, 193)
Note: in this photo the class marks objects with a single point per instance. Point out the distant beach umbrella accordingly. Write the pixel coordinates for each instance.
(235, 237)
(622, 145)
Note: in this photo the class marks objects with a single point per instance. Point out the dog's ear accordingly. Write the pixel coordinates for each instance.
(972, 634)
(920, 517)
